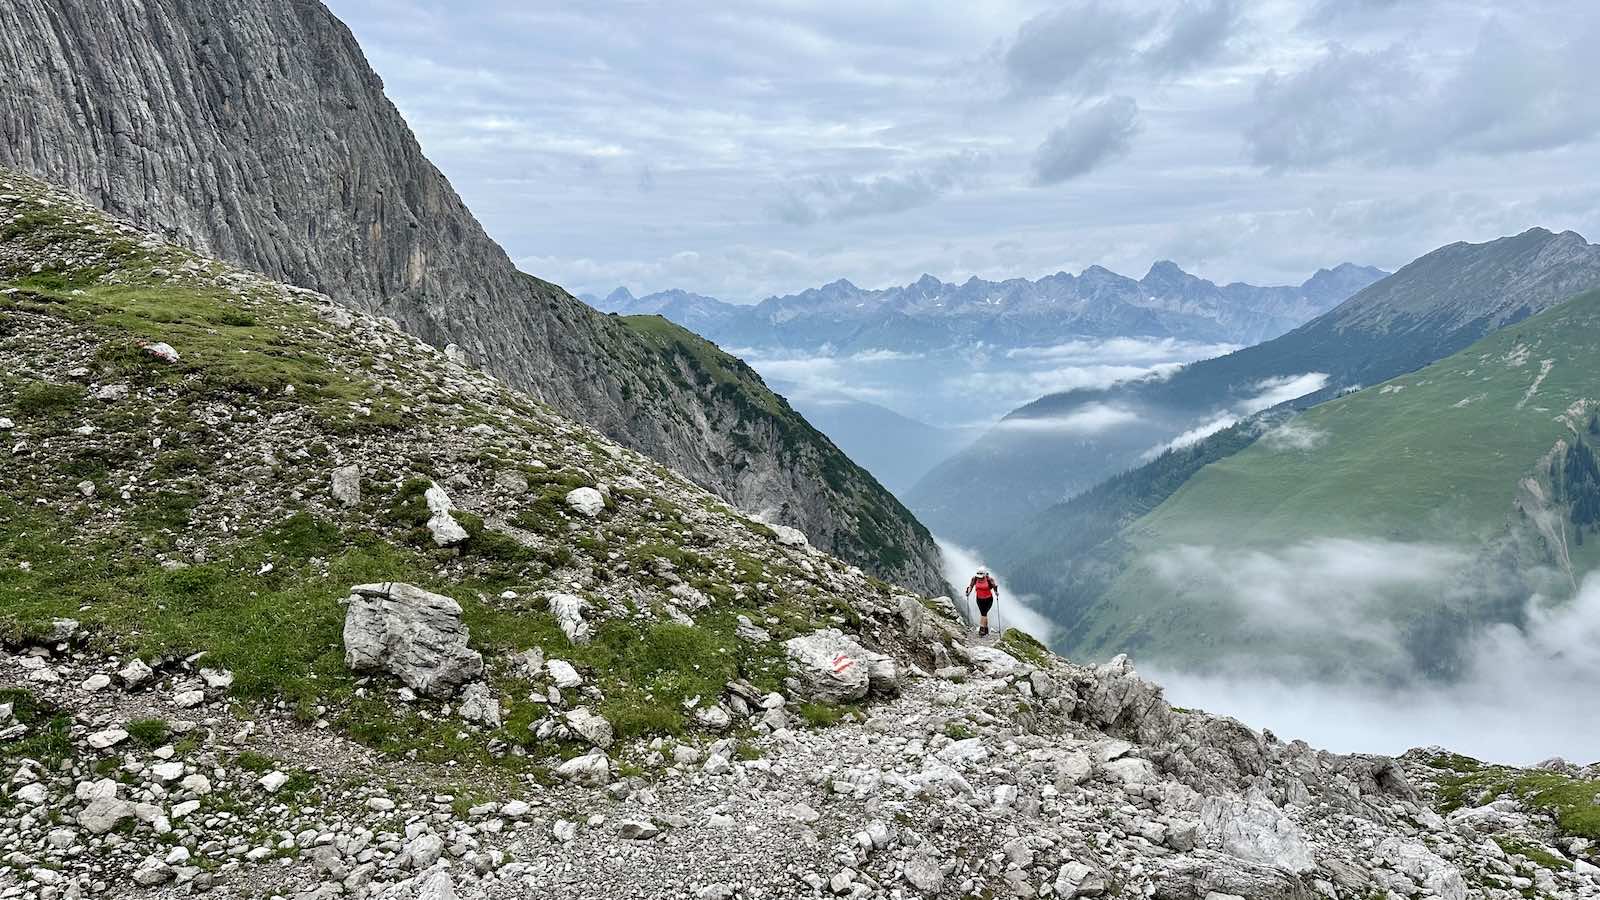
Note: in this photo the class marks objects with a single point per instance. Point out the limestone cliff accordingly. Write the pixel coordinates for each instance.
(254, 130)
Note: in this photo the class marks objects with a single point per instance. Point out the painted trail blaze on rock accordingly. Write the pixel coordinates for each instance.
(830, 667)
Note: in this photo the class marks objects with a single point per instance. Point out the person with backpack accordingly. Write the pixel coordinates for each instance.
(988, 591)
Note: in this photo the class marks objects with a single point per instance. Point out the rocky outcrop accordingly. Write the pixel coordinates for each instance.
(257, 132)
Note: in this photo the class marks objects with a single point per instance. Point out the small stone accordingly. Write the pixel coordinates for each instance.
(802, 812)
(593, 770)
(96, 682)
(273, 781)
(563, 674)
(170, 771)
(162, 351)
(380, 804)
(924, 873)
(346, 485)
(188, 699)
(424, 850)
(86, 488)
(592, 728)
(635, 830)
(102, 740)
(135, 673)
(103, 813)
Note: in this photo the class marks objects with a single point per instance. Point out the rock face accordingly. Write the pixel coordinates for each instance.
(257, 132)
(412, 634)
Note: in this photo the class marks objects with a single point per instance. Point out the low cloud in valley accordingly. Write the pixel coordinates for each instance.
(1521, 695)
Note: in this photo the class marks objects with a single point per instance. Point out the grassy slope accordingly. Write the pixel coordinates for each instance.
(1402, 461)
(169, 556)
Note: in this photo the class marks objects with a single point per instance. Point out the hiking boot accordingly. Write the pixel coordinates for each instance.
(983, 632)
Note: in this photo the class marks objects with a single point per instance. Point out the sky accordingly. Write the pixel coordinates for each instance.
(759, 148)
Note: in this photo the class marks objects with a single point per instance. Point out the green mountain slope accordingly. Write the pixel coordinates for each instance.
(1384, 526)
(1430, 308)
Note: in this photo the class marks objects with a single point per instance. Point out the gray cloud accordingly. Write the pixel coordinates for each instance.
(1195, 33)
(1074, 48)
(844, 112)
(1090, 138)
(838, 197)
(1519, 89)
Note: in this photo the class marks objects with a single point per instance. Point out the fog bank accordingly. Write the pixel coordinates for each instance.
(1528, 695)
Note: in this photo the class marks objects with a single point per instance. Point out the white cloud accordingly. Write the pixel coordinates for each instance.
(1011, 387)
(1269, 392)
(1520, 700)
(1294, 435)
(1520, 87)
(646, 145)
(1314, 586)
(1087, 140)
(1125, 350)
(1272, 391)
(1091, 418)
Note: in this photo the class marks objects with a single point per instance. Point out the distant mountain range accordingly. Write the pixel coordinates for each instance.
(1063, 444)
(929, 314)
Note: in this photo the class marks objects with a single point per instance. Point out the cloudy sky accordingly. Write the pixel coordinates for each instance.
(741, 150)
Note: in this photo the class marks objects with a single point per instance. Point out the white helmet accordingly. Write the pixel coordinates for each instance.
(983, 570)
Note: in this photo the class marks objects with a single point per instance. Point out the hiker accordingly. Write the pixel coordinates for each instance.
(988, 592)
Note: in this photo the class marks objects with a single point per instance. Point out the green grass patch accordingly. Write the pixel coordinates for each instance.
(826, 715)
(42, 399)
(1539, 855)
(149, 733)
(958, 731)
(47, 738)
(1025, 647)
(1570, 801)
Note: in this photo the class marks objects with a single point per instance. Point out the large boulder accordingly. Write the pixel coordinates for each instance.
(830, 667)
(1119, 702)
(413, 634)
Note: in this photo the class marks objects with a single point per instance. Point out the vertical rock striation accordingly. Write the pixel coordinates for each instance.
(254, 130)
